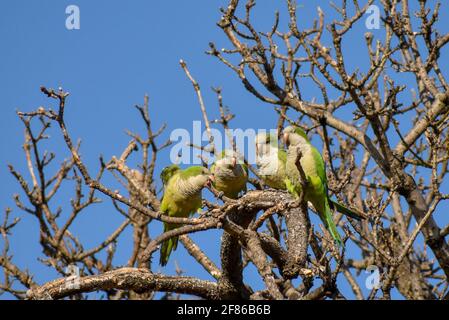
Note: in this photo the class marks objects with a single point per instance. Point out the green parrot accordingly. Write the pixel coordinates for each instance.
(229, 174)
(182, 198)
(314, 169)
(271, 161)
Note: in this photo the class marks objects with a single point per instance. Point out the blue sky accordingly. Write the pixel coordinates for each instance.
(123, 51)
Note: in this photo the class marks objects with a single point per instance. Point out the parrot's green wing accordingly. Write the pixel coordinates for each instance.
(168, 245)
(301, 132)
(330, 224)
(321, 169)
(346, 211)
(169, 172)
(320, 166)
(327, 214)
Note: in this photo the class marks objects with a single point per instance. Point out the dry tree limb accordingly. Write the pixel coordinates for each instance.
(138, 280)
(196, 252)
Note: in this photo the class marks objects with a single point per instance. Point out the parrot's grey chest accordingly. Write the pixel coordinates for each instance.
(268, 164)
(304, 151)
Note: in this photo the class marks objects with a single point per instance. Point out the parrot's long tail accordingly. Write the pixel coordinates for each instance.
(168, 245)
(330, 225)
(348, 212)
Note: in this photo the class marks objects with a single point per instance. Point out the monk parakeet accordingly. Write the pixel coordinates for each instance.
(182, 198)
(271, 161)
(229, 174)
(315, 172)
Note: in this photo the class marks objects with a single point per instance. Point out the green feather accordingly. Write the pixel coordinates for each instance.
(330, 225)
(168, 245)
(300, 132)
(168, 172)
(346, 211)
(192, 172)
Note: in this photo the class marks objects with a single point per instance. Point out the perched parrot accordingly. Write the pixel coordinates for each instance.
(271, 161)
(229, 174)
(315, 172)
(182, 198)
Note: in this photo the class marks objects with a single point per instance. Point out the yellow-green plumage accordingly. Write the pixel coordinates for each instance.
(182, 198)
(314, 169)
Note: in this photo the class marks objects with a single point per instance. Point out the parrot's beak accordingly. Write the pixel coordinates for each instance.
(211, 178)
(285, 138)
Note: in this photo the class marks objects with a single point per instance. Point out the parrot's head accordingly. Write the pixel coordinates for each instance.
(227, 158)
(265, 142)
(228, 165)
(198, 176)
(294, 136)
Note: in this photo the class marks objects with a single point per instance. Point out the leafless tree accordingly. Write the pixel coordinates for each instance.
(398, 187)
